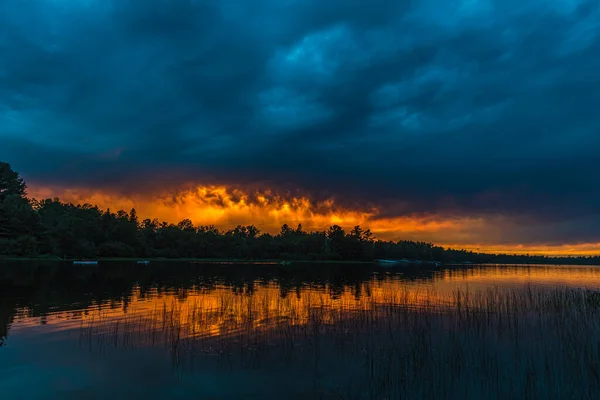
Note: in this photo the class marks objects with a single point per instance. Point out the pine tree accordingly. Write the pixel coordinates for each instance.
(10, 182)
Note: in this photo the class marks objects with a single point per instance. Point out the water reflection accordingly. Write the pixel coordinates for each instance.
(325, 330)
(63, 296)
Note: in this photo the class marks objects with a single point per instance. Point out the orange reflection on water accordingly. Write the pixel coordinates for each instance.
(223, 311)
(549, 275)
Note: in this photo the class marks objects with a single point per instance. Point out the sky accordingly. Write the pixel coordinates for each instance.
(468, 123)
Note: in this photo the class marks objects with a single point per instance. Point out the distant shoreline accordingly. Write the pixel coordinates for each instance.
(267, 261)
(192, 260)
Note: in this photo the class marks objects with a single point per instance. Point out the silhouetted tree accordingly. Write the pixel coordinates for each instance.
(10, 182)
(19, 222)
(51, 227)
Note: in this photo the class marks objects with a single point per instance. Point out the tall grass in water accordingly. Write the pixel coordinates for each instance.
(529, 342)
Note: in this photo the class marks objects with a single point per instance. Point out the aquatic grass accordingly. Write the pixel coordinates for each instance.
(524, 342)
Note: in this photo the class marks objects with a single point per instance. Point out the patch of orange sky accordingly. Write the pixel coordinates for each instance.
(227, 207)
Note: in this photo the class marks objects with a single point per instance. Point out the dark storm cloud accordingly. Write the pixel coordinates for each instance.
(468, 107)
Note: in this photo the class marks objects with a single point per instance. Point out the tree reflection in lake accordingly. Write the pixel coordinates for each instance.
(347, 331)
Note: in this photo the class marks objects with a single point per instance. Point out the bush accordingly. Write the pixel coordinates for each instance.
(21, 246)
(115, 249)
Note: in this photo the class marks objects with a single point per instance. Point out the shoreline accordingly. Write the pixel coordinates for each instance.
(264, 261)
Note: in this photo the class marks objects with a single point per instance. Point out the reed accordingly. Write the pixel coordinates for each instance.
(523, 342)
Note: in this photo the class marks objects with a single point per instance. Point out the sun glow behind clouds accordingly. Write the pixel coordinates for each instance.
(578, 249)
(226, 207)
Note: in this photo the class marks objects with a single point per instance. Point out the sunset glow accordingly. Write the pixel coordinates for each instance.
(226, 207)
(299, 199)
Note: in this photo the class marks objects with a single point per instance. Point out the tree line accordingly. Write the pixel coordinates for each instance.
(50, 227)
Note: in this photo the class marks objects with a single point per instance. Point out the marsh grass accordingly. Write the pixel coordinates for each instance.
(523, 342)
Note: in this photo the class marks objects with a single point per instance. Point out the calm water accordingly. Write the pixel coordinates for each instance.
(176, 330)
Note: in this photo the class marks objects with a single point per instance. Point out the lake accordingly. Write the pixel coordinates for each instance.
(227, 331)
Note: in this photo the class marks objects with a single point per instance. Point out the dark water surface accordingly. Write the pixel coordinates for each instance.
(178, 330)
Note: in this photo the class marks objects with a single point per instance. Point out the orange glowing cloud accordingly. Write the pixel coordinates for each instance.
(226, 207)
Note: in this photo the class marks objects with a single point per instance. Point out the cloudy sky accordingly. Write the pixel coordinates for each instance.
(464, 122)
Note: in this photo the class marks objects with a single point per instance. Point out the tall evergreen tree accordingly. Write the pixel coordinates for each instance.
(10, 182)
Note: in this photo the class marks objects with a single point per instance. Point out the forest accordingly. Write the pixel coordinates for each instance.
(52, 228)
